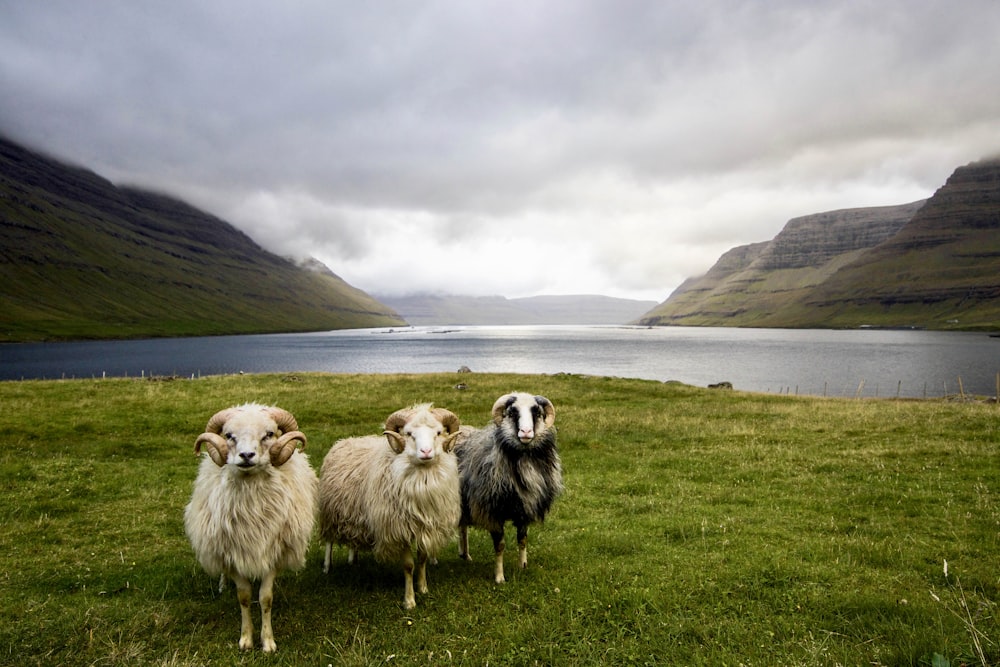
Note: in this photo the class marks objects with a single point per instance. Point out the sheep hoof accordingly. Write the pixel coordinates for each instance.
(269, 647)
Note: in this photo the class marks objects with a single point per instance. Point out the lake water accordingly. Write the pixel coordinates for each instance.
(817, 362)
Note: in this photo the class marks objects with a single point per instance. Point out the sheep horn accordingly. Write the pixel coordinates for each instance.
(283, 449)
(550, 410)
(215, 446)
(284, 419)
(219, 420)
(397, 420)
(447, 418)
(501, 406)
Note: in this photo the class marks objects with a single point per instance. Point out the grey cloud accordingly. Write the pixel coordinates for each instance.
(325, 125)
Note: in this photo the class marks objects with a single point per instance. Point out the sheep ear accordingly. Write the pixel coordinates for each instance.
(397, 441)
(550, 410)
(500, 407)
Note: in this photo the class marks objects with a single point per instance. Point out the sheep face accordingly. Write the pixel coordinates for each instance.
(250, 437)
(423, 433)
(524, 416)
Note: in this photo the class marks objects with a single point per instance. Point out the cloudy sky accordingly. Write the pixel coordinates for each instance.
(515, 148)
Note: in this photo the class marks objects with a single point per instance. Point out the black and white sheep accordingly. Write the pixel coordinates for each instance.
(510, 471)
(389, 496)
(253, 507)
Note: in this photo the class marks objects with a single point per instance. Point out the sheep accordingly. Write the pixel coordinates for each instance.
(253, 506)
(387, 497)
(510, 471)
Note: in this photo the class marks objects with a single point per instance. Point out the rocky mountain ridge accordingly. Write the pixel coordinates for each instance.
(929, 264)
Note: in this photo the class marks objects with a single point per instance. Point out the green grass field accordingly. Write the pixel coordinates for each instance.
(698, 527)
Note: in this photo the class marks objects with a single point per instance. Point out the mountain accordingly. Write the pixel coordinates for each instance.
(942, 270)
(83, 258)
(437, 309)
(753, 285)
(928, 264)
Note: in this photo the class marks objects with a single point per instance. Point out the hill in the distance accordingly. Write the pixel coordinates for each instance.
(448, 309)
(82, 258)
(929, 264)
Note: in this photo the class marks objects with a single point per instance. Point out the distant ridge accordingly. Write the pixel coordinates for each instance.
(447, 309)
(83, 258)
(929, 264)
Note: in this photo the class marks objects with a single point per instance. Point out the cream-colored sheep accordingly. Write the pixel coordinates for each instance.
(253, 507)
(389, 494)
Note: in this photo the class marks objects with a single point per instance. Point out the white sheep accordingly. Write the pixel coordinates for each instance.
(253, 507)
(510, 471)
(389, 496)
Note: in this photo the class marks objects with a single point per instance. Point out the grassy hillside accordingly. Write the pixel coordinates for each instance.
(81, 258)
(940, 271)
(761, 284)
(698, 527)
(937, 271)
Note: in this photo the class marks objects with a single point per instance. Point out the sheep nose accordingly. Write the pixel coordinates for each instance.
(247, 457)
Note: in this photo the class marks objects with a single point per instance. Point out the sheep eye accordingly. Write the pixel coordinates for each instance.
(230, 436)
(268, 435)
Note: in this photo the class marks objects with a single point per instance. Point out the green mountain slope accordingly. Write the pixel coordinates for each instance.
(933, 264)
(757, 284)
(942, 270)
(82, 258)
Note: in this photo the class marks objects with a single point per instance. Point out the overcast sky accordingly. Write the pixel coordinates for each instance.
(512, 148)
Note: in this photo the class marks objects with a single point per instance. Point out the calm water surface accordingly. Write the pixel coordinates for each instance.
(818, 362)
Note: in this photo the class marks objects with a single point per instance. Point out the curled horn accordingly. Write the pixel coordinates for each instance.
(219, 420)
(501, 406)
(215, 444)
(397, 420)
(284, 419)
(550, 410)
(393, 425)
(283, 449)
(447, 418)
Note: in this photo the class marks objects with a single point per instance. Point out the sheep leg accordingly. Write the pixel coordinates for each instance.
(463, 543)
(421, 571)
(326, 557)
(244, 591)
(498, 547)
(266, 599)
(409, 599)
(522, 546)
